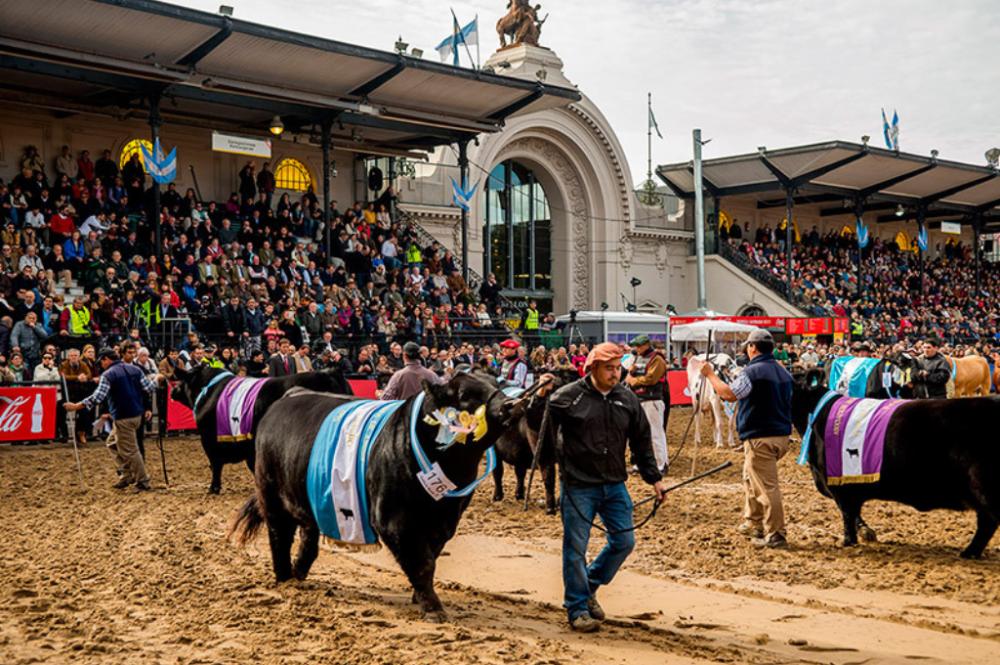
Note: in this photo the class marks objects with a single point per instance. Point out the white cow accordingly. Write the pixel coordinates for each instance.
(705, 399)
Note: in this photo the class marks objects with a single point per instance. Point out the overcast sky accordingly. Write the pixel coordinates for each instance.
(747, 72)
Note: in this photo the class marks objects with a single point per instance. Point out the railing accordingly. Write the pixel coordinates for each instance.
(745, 264)
(475, 280)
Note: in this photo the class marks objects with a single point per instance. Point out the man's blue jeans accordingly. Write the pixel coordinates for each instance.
(579, 507)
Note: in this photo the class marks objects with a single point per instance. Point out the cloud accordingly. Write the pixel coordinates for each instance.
(747, 72)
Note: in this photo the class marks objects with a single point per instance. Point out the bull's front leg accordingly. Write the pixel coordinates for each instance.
(866, 532)
(419, 563)
(986, 526)
(549, 476)
(850, 510)
(216, 486)
(520, 471)
(498, 481)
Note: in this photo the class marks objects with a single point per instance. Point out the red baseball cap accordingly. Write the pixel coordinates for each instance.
(510, 344)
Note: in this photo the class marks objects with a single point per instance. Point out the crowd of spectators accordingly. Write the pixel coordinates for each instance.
(896, 301)
(247, 273)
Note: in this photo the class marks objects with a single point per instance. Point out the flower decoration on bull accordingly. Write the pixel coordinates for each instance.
(455, 426)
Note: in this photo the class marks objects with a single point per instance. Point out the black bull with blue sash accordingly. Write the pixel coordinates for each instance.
(415, 489)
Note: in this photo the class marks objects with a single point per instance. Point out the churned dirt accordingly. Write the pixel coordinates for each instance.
(94, 575)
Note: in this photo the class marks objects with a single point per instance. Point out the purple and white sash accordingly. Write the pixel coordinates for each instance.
(234, 411)
(854, 439)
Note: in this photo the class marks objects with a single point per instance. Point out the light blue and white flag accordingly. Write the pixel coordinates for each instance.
(469, 35)
(922, 239)
(162, 169)
(891, 132)
(462, 197)
(862, 232)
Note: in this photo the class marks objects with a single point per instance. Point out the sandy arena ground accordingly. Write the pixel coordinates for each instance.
(102, 576)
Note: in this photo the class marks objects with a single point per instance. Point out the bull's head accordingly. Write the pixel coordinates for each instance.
(809, 386)
(191, 383)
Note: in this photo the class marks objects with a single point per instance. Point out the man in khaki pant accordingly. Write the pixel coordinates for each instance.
(122, 384)
(764, 423)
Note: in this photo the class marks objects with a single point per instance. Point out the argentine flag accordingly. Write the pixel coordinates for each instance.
(891, 132)
(162, 169)
(469, 35)
(862, 232)
(462, 197)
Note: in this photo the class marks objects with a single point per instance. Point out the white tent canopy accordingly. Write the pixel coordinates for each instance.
(699, 330)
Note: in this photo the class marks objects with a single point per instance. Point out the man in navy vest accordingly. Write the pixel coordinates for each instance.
(764, 423)
(123, 385)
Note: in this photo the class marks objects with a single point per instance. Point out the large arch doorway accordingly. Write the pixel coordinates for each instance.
(517, 230)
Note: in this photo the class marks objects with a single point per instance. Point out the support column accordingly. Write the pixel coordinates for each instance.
(789, 237)
(327, 128)
(921, 217)
(463, 173)
(155, 121)
(532, 271)
(699, 221)
(976, 230)
(392, 183)
(859, 208)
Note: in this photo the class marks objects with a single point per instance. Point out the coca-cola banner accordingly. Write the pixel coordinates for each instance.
(28, 413)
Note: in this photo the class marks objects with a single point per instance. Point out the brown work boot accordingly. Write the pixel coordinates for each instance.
(595, 609)
(122, 483)
(584, 623)
(774, 541)
(750, 530)
(143, 486)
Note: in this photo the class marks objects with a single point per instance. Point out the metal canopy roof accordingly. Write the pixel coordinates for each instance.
(848, 174)
(107, 56)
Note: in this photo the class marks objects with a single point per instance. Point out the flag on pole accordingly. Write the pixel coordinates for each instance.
(162, 169)
(862, 233)
(462, 197)
(652, 123)
(922, 238)
(891, 132)
(469, 35)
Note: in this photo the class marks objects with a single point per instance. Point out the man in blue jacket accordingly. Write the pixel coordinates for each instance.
(764, 423)
(123, 385)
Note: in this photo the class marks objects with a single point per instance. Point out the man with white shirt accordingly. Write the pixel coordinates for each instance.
(95, 223)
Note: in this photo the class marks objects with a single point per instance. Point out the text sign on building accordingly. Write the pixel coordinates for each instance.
(27, 413)
(951, 227)
(241, 145)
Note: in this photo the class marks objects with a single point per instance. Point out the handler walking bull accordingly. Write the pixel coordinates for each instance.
(648, 380)
(764, 423)
(594, 417)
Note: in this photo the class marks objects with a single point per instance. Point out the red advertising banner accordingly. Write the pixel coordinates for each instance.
(28, 413)
(363, 387)
(841, 325)
(179, 417)
(774, 323)
(678, 381)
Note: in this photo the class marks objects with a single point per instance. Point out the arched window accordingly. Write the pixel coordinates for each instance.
(751, 310)
(132, 148)
(292, 174)
(903, 241)
(519, 228)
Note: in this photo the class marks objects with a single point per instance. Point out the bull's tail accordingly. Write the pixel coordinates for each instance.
(247, 522)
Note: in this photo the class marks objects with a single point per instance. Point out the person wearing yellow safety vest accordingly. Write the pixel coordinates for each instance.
(414, 257)
(857, 329)
(76, 320)
(530, 322)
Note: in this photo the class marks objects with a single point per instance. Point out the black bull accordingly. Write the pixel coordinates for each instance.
(938, 454)
(221, 453)
(412, 525)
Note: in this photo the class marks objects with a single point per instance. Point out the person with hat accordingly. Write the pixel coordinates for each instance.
(647, 377)
(408, 381)
(513, 369)
(764, 423)
(123, 385)
(594, 418)
(934, 371)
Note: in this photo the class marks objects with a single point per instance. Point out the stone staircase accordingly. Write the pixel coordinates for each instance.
(68, 292)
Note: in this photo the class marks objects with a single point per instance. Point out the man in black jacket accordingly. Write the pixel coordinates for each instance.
(594, 417)
(934, 371)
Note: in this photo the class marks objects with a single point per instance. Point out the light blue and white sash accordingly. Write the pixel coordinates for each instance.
(204, 391)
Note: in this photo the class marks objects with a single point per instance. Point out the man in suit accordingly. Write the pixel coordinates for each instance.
(282, 363)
